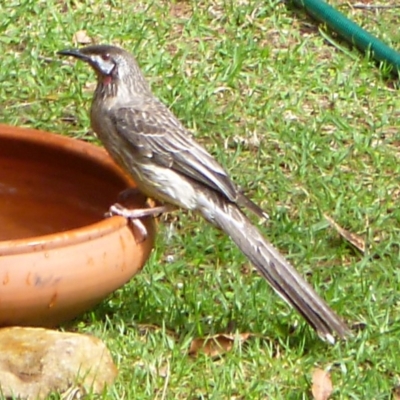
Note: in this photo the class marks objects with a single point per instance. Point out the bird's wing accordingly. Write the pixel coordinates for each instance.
(155, 133)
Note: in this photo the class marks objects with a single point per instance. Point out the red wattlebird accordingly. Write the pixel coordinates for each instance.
(148, 141)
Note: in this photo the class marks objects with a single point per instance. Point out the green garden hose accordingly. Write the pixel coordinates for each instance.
(351, 32)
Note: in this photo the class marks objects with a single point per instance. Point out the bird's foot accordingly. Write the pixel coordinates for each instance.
(118, 209)
(134, 215)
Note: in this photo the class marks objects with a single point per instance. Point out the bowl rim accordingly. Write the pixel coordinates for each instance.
(59, 239)
(72, 236)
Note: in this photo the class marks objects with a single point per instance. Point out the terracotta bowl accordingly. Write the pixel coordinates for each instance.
(59, 256)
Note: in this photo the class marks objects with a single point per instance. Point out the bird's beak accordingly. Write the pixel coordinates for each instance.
(75, 53)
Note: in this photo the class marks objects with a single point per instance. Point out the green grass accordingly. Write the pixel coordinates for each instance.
(304, 127)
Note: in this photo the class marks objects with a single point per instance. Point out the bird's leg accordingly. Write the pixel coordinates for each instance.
(128, 206)
(130, 203)
(134, 215)
(139, 230)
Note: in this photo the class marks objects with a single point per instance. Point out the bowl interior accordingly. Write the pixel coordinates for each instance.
(49, 186)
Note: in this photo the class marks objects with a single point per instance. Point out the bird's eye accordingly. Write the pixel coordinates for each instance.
(106, 57)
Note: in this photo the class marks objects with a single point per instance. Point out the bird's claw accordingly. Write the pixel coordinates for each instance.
(118, 209)
(138, 227)
(134, 215)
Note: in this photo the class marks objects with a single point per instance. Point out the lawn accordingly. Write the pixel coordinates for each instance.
(307, 128)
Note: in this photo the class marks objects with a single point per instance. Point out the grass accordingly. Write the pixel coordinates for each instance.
(304, 127)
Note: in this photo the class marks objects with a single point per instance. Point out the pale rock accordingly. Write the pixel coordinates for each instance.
(35, 362)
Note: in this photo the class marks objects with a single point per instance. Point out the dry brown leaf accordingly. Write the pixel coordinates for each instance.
(396, 393)
(216, 345)
(321, 384)
(352, 238)
(81, 37)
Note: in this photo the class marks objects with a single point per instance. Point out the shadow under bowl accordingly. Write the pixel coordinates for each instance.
(59, 256)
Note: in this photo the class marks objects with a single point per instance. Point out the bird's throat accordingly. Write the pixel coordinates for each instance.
(107, 80)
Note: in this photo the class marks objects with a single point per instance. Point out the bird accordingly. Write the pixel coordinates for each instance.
(148, 141)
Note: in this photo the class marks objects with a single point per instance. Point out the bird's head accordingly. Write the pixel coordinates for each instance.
(103, 59)
(112, 65)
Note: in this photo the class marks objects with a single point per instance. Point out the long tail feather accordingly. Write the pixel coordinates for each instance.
(282, 276)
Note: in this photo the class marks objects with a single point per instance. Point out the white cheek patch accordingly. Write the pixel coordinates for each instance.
(105, 67)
